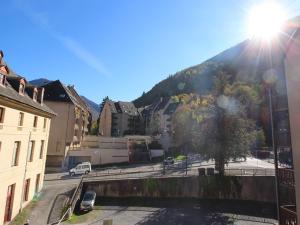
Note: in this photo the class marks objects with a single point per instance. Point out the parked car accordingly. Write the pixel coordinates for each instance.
(88, 201)
(169, 161)
(82, 168)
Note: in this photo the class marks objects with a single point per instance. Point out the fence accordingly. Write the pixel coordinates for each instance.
(173, 172)
(70, 206)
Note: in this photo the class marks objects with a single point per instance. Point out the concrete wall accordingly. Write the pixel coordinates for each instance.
(292, 70)
(252, 188)
(102, 156)
(9, 133)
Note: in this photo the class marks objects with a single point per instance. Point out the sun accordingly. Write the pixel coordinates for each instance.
(266, 20)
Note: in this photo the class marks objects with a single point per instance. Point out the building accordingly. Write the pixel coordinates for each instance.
(288, 129)
(70, 125)
(100, 150)
(158, 120)
(119, 118)
(24, 132)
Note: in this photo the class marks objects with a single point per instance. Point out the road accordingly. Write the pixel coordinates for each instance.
(48, 197)
(177, 169)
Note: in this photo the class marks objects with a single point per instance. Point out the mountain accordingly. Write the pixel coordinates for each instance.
(40, 82)
(247, 60)
(94, 107)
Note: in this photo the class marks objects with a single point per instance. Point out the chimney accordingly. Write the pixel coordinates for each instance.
(40, 97)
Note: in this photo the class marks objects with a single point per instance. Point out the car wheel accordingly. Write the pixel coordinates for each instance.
(86, 172)
(72, 174)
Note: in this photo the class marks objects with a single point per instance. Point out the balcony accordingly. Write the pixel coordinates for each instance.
(288, 215)
(286, 177)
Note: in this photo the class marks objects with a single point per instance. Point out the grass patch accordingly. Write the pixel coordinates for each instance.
(21, 218)
(81, 218)
(181, 157)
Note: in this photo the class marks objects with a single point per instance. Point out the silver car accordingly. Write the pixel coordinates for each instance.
(88, 201)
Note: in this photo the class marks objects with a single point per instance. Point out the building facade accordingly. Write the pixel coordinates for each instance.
(70, 125)
(119, 118)
(24, 132)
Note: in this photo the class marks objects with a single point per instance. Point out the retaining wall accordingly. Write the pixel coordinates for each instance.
(252, 188)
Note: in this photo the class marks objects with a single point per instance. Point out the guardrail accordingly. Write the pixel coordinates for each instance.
(70, 206)
(288, 215)
(174, 172)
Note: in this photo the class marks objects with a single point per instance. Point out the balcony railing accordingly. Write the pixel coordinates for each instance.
(288, 215)
(286, 177)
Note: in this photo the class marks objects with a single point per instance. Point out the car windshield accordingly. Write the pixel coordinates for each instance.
(189, 108)
(88, 196)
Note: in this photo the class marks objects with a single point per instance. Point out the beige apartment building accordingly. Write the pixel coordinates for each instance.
(118, 119)
(24, 131)
(70, 125)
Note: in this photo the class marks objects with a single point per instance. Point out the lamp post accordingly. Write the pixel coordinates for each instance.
(269, 81)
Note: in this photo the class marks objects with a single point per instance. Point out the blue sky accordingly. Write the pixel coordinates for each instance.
(119, 48)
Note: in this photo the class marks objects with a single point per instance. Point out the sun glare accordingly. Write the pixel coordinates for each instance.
(266, 20)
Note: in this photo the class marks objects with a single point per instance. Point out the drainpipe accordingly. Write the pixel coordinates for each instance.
(25, 171)
(63, 161)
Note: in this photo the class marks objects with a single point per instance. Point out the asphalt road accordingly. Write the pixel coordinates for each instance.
(154, 169)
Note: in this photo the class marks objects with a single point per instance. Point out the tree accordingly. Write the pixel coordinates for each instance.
(95, 128)
(218, 126)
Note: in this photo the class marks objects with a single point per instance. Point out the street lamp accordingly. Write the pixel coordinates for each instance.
(269, 79)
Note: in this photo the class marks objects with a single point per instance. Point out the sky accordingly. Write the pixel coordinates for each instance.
(119, 48)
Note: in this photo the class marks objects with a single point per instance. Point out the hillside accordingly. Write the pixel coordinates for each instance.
(247, 59)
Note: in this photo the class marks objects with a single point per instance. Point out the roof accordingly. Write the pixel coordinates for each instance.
(58, 92)
(8, 91)
(127, 107)
(78, 98)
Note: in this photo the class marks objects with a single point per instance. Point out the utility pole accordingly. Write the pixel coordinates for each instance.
(274, 148)
(25, 170)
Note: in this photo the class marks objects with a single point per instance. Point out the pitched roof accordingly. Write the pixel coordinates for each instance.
(127, 107)
(58, 92)
(9, 91)
(78, 98)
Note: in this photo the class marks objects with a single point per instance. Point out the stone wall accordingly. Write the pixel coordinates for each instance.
(252, 188)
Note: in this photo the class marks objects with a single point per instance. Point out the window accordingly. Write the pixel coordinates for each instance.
(16, 152)
(2, 79)
(9, 202)
(45, 123)
(37, 183)
(21, 119)
(42, 149)
(31, 151)
(26, 190)
(2, 112)
(21, 88)
(35, 121)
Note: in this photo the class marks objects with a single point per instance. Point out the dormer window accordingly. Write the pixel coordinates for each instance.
(2, 79)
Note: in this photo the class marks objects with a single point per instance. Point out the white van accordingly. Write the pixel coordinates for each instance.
(82, 168)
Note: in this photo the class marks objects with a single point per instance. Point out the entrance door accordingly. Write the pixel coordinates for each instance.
(9, 202)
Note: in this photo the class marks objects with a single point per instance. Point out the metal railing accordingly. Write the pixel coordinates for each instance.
(169, 171)
(288, 215)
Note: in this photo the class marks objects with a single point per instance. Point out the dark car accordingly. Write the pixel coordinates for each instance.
(88, 201)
